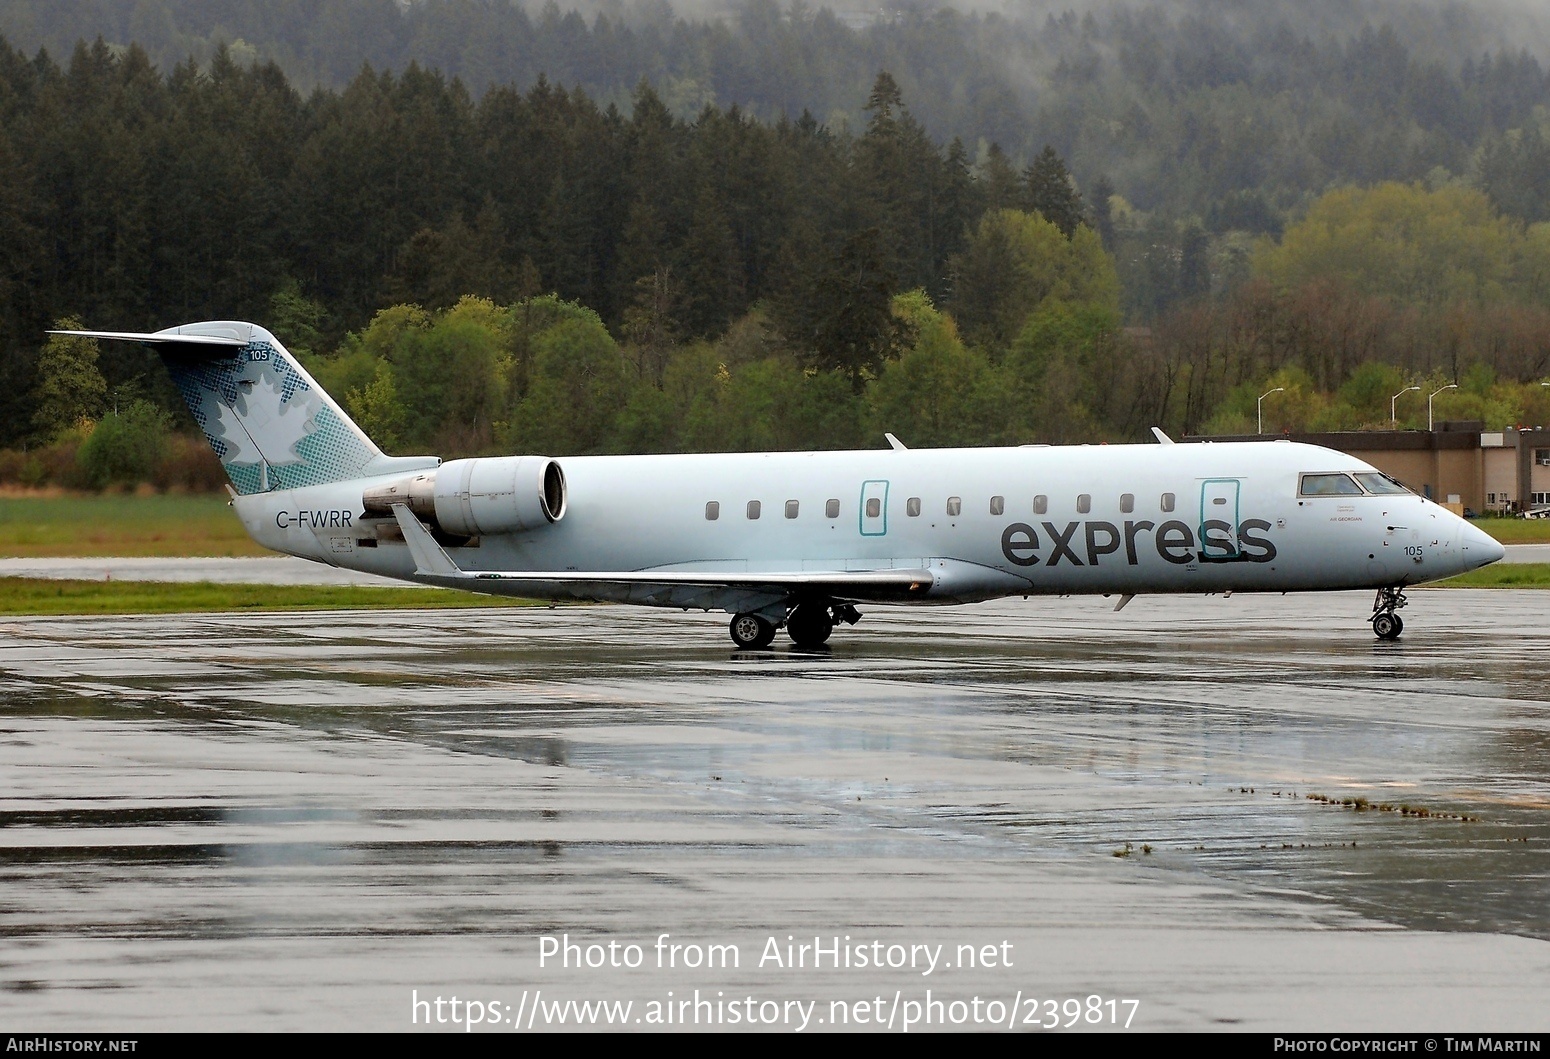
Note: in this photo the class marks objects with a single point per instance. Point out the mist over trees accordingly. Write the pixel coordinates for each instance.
(533, 231)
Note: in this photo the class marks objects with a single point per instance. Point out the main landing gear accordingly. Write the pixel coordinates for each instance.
(751, 632)
(1386, 623)
(808, 625)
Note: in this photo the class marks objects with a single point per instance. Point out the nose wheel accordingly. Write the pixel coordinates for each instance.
(1386, 623)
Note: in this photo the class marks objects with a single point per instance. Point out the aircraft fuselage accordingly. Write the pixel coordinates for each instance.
(988, 522)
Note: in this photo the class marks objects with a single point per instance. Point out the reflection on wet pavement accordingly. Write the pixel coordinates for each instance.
(295, 818)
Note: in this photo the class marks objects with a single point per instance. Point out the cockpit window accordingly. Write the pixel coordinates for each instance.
(1379, 484)
(1329, 485)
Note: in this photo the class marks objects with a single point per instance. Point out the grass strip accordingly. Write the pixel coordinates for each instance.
(1501, 575)
(27, 595)
(1516, 530)
(121, 525)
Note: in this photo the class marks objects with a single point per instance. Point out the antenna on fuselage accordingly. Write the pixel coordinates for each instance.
(898, 446)
(1162, 439)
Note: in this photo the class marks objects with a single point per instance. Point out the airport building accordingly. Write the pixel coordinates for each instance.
(1499, 472)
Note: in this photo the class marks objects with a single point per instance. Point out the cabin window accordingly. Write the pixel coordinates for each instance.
(712, 511)
(1329, 485)
(1041, 505)
(1380, 484)
(874, 507)
(791, 509)
(1127, 503)
(912, 507)
(997, 505)
(955, 506)
(753, 509)
(1084, 503)
(1167, 501)
(831, 509)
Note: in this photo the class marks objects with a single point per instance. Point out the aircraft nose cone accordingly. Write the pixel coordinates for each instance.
(1479, 547)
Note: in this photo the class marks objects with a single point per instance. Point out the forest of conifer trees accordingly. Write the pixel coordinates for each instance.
(832, 232)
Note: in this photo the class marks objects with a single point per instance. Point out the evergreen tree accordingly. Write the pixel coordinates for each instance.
(1002, 188)
(713, 276)
(1103, 212)
(1194, 262)
(1052, 193)
(650, 323)
(840, 318)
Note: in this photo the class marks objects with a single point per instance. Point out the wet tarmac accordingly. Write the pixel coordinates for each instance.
(264, 821)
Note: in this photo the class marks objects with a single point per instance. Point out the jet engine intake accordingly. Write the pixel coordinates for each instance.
(469, 498)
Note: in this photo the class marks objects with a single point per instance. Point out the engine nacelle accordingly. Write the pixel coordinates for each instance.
(469, 498)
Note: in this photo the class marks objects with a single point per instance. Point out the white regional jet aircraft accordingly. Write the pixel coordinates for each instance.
(799, 538)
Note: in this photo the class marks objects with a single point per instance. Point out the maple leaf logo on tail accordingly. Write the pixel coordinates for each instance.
(270, 424)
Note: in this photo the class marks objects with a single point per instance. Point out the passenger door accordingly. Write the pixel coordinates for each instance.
(1219, 519)
(874, 508)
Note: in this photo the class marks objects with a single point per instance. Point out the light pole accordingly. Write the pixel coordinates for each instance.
(1450, 386)
(1394, 405)
(1260, 406)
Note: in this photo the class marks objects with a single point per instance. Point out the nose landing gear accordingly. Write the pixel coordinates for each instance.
(1386, 623)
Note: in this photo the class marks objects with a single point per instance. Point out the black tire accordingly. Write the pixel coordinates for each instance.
(809, 625)
(751, 632)
(1387, 626)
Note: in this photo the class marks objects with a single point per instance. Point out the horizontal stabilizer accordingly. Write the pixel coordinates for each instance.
(161, 338)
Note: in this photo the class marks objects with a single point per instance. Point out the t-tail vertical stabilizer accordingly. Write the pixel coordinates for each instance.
(270, 424)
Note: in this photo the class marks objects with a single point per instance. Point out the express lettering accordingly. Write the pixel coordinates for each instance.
(332, 518)
(1020, 544)
(1175, 542)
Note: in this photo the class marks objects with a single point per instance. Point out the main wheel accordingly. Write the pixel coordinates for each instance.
(809, 625)
(751, 632)
(1387, 626)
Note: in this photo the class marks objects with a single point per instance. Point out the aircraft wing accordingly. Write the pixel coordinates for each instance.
(666, 587)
